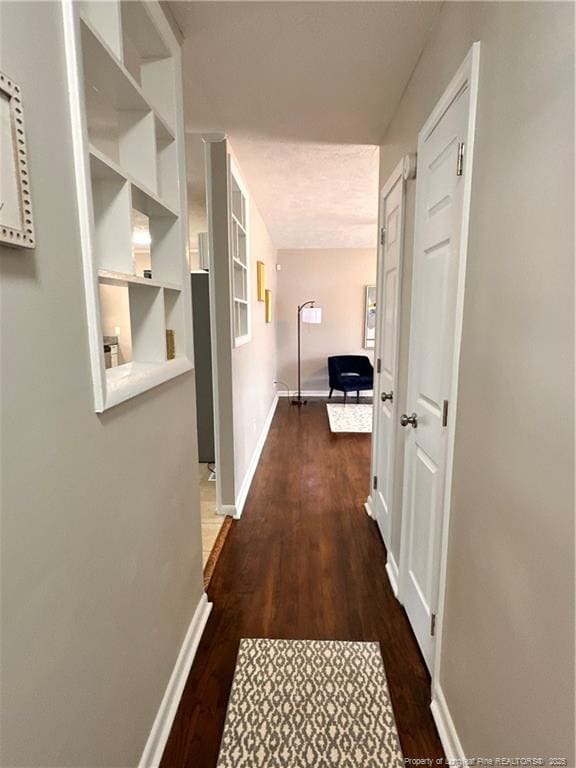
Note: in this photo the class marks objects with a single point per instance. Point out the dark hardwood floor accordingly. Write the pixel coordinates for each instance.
(304, 561)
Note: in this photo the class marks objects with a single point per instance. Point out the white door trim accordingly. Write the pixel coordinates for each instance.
(404, 170)
(467, 74)
(221, 345)
(393, 179)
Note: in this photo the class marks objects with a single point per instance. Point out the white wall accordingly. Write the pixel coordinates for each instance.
(507, 668)
(336, 280)
(254, 363)
(101, 566)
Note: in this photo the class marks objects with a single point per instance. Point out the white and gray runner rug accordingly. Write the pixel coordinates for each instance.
(317, 703)
(352, 417)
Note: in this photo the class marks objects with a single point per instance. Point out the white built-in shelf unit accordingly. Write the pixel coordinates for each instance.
(240, 260)
(127, 121)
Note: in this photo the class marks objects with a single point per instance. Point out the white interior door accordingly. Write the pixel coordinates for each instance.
(440, 220)
(387, 341)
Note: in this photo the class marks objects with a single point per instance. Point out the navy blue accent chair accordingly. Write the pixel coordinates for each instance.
(350, 373)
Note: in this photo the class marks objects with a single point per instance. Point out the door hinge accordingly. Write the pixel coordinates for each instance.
(378, 365)
(445, 413)
(375, 482)
(382, 235)
(432, 624)
(460, 160)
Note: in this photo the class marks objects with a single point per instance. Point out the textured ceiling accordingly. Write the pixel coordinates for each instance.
(314, 195)
(304, 91)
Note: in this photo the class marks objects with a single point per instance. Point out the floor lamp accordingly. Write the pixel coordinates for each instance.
(307, 313)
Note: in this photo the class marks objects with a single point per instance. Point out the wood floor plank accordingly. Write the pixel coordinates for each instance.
(304, 561)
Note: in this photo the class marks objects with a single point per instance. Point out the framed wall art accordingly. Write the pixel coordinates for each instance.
(261, 280)
(16, 222)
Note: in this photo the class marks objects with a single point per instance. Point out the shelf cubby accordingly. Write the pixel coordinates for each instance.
(111, 211)
(148, 59)
(141, 243)
(167, 165)
(120, 123)
(240, 281)
(240, 318)
(105, 18)
(238, 203)
(115, 317)
(147, 323)
(165, 236)
(174, 317)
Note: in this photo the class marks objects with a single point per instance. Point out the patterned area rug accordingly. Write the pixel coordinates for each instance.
(352, 417)
(318, 703)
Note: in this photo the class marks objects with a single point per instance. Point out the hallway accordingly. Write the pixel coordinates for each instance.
(304, 561)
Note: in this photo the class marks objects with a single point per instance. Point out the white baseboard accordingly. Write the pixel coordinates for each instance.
(152, 754)
(446, 729)
(227, 509)
(307, 393)
(247, 482)
(323, 393)
(392, 571)
(369, 509)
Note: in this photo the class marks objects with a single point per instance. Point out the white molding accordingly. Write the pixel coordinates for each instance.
(74, 73)
(369, 508)
(247, 482)
(446, 729)
(143, 376)
(392, 571)
(152, 754)
(403, 170)
(469, 72)
(320, 393)
(394, 178)
(213, 138)
(214, 310)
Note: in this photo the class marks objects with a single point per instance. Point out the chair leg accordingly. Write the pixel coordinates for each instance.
(331, 390)
(345, 395)
(357, 395)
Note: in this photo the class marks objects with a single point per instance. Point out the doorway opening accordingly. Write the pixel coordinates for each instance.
(214, 523)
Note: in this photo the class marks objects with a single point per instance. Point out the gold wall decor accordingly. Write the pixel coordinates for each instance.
(170, 344)
(268, 306)
(261, 276)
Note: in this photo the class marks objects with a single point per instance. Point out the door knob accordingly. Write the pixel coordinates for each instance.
(386, 396)
(405, 420)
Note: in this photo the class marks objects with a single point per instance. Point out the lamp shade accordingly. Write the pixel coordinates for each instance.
(312, 315)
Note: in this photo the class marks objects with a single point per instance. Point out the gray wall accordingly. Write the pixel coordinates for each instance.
(508, 645)
(101, 553)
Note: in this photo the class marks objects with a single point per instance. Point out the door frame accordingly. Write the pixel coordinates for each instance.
(404, 170)
(221, 333)
(466, 75)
